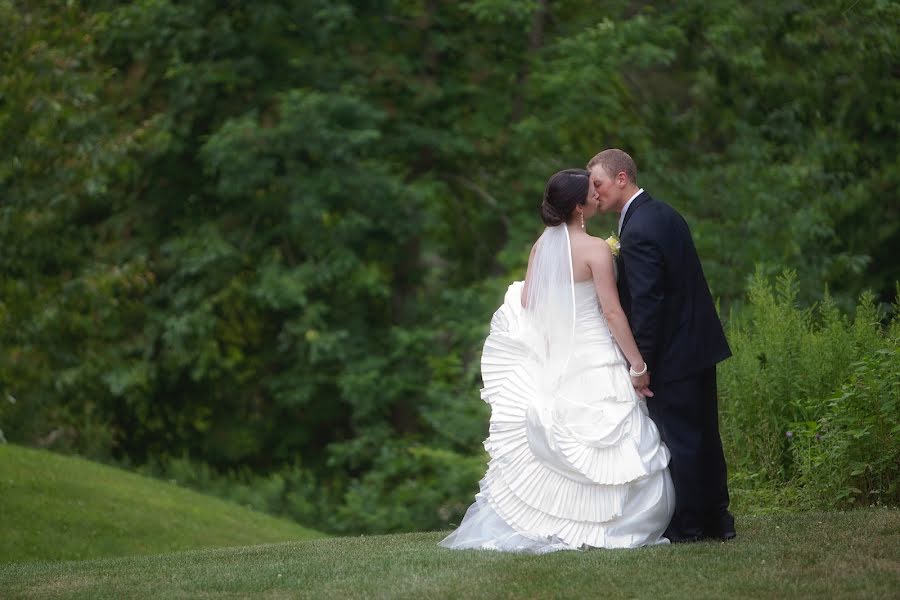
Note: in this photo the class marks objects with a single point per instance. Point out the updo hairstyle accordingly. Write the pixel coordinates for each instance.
(564, 191)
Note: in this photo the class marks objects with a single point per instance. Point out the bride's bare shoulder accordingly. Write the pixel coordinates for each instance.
(598, 247)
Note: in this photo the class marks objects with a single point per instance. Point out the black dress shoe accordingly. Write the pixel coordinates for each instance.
(680, 536)
(721, 536)
(722, 527)
(675, 539)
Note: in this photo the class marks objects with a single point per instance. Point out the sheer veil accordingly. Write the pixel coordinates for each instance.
(550, 302)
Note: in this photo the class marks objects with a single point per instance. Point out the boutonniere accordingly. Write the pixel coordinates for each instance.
(614, 245)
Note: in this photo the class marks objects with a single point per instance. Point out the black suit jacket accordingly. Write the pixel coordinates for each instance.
(664, 293)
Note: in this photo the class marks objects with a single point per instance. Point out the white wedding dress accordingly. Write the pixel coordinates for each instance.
(575, 464)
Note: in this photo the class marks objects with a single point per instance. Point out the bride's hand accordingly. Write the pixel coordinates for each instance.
(642, 385)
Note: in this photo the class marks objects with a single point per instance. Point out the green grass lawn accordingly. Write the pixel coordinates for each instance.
(55, 507)
(811, 555)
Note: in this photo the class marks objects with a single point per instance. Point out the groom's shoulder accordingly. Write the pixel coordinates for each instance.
(654, 208)
(660, 205)
(656, 219)
(660, 210)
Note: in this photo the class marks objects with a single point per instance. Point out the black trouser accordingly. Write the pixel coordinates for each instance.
(686, 413)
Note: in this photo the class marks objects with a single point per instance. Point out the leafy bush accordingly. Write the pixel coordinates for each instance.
(409, 487)
(851, 453)
(290, 492)
(809, 402)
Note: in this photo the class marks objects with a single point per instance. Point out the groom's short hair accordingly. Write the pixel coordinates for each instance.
(614, 161)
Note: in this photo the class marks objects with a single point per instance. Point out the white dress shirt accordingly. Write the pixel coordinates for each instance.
(625, 208)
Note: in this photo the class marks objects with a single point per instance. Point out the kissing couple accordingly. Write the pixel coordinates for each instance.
(600, 371)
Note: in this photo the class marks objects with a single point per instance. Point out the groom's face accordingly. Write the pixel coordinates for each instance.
(607, 191)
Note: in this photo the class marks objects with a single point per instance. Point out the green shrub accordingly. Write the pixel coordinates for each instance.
(408, 487)
(851, 453)
(291, 491)
(809, 402)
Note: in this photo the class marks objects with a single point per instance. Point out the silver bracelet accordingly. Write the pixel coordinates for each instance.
(634, 373)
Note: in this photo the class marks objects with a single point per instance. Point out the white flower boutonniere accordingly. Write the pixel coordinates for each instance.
(614, 245)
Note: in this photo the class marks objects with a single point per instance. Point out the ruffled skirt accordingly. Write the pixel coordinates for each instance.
(576, 466)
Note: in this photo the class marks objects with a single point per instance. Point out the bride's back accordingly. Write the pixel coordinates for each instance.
(584, 250)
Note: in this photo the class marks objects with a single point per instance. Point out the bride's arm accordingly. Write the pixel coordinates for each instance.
(528, 277)
(601, 264)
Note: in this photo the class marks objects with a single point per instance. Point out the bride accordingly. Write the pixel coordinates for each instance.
(575, 462)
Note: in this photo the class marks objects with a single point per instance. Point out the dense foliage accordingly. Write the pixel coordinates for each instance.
(265, 239)
(810, 402)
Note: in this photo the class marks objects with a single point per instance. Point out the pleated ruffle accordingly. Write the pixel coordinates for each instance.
(563, 462)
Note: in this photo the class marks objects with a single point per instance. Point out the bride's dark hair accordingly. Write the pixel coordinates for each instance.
(564, 191)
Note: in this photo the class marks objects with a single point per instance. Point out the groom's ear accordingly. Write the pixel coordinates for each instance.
(621, 179)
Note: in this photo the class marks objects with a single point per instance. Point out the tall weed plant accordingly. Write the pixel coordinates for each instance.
(809, 402)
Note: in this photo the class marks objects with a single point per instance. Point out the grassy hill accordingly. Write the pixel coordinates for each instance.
(55, 507)
(811, 555)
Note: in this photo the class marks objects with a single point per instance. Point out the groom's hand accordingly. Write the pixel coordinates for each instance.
(642, 385)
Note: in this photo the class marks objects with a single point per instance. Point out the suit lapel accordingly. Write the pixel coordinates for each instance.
(635, 205)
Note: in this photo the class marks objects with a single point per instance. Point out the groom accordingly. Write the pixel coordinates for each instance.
(671, 312)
